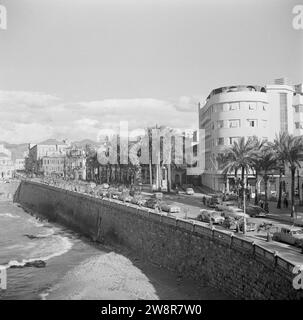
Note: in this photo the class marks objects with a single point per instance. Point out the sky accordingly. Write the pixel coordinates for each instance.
(69, 68)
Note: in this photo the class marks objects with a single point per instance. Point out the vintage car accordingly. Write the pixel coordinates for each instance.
(139, 200)
(152, 203)
(189, 191)
(291, 235)
(157, 195)
(212, 202)
(255, 211)
(169, 207)
(250, 226)
(210, 216)
(125, 197)
(230, 223)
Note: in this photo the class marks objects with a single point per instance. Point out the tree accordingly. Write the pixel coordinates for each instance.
(256, 161)
(267, 161)
(237, 157)
(278, 147)
(289, 150)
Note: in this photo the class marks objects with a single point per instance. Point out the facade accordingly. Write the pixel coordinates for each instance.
(36, 152)
(75, 164)
(7, 168)
(52, 165)
(245, 111)
(20, 164)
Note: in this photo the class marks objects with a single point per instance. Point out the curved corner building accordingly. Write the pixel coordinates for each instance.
(243, 111)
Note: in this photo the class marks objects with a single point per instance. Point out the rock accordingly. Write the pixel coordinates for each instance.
(36, 264)
(30, 236)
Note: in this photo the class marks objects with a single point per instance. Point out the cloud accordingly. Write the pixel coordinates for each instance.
(32, 116)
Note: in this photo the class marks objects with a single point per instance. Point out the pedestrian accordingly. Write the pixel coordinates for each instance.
(266, 207)
(261, 203)
(285, 202)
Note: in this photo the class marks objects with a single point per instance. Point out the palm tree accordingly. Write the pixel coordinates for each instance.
(267, 161)
(238, 156)
(278, 147)
(256, 162)
(289, 150)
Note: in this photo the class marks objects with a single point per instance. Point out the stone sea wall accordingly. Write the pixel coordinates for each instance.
(217, 258)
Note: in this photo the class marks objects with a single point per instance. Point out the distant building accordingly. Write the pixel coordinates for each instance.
(52, 165)
(7, 168)
(36, 152)
(20, 164)
(75, 163)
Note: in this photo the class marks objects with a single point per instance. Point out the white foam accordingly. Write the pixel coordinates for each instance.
(35, 222)
(43, 295)
(65, 246)
(9, 215)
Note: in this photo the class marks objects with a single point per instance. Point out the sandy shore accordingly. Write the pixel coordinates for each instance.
(113, 276)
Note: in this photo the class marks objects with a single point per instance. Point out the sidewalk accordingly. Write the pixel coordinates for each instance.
(284, 214)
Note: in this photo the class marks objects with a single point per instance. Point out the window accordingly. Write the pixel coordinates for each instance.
(219, 107)
(233, 106)
(252, 123)
(220, 141)
(220, 124)
(234, 123)
(299, 125)
(233, 139)
(252, 106)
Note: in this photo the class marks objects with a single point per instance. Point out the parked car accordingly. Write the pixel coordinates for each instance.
(152, 203)
(250, 226)
(290, 235)
(138, 200)
(105, 186)
(189, 191)
(125, 197)
(255, 211)
(212, 202)
(235, 213)
(158, 195)
(226, 205)
(208, 216)
(230, 223)
(169, 207)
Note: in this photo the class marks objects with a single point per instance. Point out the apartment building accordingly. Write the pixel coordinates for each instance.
(37, 152)
(245, 111)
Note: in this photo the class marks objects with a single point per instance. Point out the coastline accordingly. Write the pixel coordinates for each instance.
(91, 270)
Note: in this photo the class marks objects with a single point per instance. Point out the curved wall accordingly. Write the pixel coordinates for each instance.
(233, 264)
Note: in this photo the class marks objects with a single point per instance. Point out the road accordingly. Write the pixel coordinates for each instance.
(190, 209)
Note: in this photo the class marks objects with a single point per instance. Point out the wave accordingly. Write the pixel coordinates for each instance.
(44, 295)
(9, 215)
(66, 245)
(35, 222)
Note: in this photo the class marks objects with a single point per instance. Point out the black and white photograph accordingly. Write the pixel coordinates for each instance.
(151, 150)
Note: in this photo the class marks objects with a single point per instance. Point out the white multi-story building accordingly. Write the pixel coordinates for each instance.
(245, 111)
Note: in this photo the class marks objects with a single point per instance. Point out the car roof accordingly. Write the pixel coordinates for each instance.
(292, 228)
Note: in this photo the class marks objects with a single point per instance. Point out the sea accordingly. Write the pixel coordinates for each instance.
(78, 268)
